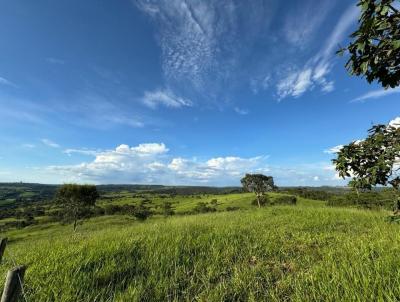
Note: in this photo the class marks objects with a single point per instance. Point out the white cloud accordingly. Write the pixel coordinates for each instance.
(395, 122)
(151, 163)
(302, 22)
(334, 150)
(241, 111)
(4, 81)
(189, 33)
(316, 178)
(28, 146)
(296, 81)
(166, 98)
(80, 151)
(375, 94)
(49, 143)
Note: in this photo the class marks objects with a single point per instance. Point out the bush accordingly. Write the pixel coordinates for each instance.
(112, 209)
(166, 209)
(286, 199)
(202, 207)
(367, 200)
(263, 201)
(141, 212)
(230, 209)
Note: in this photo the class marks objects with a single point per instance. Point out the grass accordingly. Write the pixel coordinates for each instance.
(307, 252)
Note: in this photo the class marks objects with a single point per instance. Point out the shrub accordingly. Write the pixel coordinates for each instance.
(202, 207)
(263, 201)
(141, 212)
(230, 209)
(286, 199)
(166, 209)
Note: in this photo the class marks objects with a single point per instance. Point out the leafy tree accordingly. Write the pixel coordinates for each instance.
(141, 212)
(259, 184)
(372, 161)
(375, 46)
(167, 209)
(76, 201)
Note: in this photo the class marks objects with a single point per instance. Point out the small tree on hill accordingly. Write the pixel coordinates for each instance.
(167, 209)
(372, 161)
(76, 201)
(258, 184)
(375, 48)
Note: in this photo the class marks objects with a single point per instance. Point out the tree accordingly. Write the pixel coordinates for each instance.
(372, 161)
(76, 201)
(259, 184)
(141, 212)
(375, 48)
(167, 209)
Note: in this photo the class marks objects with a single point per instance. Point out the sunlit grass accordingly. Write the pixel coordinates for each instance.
(307, 252)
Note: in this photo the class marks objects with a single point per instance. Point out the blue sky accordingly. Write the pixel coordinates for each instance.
(179, 92)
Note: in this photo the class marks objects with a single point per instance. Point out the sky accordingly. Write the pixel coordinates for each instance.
(180, 92)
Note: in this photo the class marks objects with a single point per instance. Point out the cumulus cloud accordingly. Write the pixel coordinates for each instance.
(395, 122)
(152, 163)
(166, 98)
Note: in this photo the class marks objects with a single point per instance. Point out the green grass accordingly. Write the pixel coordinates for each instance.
(307, 252)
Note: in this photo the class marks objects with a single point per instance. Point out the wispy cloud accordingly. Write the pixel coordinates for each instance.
(303, 21)
(49, 143)
(333, 150)
(55, 61)
(296, 81)
(241, 111)
(376, 94)
(166, 98)
(4, 81)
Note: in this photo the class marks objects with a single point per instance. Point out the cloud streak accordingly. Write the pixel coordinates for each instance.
(376, 94)
(167, 98)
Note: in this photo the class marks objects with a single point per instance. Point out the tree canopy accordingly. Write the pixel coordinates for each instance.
(375, 46)
(372, 161)
(259, 184)
(76, 200)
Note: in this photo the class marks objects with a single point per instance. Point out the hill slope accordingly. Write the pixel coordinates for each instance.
(306, 252)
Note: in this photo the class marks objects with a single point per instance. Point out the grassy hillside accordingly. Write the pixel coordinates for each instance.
(307, 252)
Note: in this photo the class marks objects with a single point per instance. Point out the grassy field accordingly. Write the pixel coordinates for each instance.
(307, 252)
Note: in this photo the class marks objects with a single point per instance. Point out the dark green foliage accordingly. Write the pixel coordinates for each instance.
(367, 200)
(261, 202)
(167, 209)
(141, 212)
(214, 202)
(309, 194)
(231, 209)
(371, 162)
(375, 46)
(202, 207)
(258, 184)
(286, 199)
(76, 201)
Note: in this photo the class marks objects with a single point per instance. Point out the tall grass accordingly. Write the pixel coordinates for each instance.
(281, 253)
